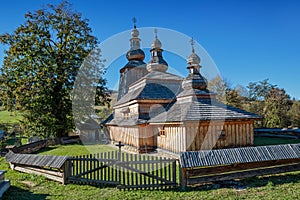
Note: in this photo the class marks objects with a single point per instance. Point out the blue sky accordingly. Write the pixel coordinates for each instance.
(248, 40)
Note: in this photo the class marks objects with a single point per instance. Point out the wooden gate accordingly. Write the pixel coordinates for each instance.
(124, 170)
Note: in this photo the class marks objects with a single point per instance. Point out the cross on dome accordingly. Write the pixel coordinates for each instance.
(134, 22)
(192, 43)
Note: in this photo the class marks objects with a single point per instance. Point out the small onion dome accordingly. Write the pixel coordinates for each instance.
(156, 44)
(194, 80)
(135, 54)
(135, 32)
(193, 59)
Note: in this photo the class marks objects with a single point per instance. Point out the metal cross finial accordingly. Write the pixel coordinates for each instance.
(134, 22)
(192, 43)
(155, 32)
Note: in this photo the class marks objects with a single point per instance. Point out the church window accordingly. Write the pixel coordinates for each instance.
(222, 134)
(162, 132)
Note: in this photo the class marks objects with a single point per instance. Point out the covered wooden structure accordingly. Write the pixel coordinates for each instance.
(160, 110)
(227, 164)
(52, 167)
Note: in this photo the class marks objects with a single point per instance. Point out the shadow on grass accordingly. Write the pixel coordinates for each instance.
(21, 194)
(45, 149)
(271, 180)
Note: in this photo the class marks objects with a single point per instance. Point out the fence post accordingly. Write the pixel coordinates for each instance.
(183, 178)
(67, 171)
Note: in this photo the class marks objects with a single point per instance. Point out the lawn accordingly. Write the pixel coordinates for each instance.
(7, 117)
(26, 186)
(75, 149)
(262, 141)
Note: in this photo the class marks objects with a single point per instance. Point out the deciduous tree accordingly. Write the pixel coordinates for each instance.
(40, 67)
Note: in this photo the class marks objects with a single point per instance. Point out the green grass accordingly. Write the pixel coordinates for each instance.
(75, 149)
(27, 186)
(7, 117)
(262, 141)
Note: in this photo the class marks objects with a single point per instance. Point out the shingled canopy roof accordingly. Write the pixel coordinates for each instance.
(201, 110)
(36, 160)
(151, 90)
(217, 157)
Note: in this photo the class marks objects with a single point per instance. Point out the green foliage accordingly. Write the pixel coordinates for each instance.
(233, 98)
(259, 90)
(262, 98)
(270, 102)
(294, 114)
(40, 66)
(219, 86)
(277, 105)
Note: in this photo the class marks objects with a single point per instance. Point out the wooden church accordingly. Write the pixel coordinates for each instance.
(159, 110)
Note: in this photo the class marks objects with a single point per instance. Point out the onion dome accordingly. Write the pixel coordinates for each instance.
(135, 53)
(193, 59)
(156, 44)
(194, 80)
(157, 63)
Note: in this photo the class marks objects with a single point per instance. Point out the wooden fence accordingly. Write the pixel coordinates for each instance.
(124, 170)
(237, 163)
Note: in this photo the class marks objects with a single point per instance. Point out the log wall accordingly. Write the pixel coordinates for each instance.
(137, 136)
(127, 135)
(173, 139)
(205, 135)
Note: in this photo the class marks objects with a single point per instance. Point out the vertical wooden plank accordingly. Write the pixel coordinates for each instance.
(148, 170)
(245, 135)
(91, 166)
(169, 164)
(132, 173)
(152, 170)
(237, 142)
(128, 172)
(136, 167)
(108, 168)
(241, 138)
(251, 130)
(104, 169)
(161, 168)
(123, 171)
(140, 168)
(97, 165)
(174, 171)
(73, 167)
(101, 164)
(67, 171)
(78, 165)
(183, 178)
(229, 135)
(82, 168)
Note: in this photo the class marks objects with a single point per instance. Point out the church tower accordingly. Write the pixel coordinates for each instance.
(195, 84)
(157, 63)
(136, 67)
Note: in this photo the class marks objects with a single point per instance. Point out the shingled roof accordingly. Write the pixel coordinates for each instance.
(217, 157)
(154, 88)
(36, 160)
(162, 76)
(199, 109)
(150, 91)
